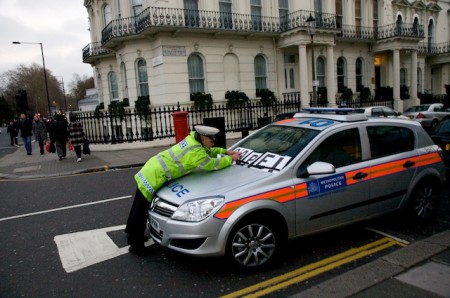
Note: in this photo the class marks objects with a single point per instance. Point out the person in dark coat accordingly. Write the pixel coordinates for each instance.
(58, 135)
(12, 130)
(40, 131)
(76, 135)
(25, 126)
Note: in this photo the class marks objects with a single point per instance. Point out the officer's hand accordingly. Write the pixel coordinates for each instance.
(236, 156)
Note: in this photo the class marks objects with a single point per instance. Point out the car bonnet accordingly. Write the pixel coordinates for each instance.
(203, 184)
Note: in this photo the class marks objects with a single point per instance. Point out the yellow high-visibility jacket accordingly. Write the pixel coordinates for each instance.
(179, 160)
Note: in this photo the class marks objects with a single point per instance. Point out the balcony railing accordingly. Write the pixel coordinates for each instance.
(434, 48)
(162, 17)
(356, 32)
(94, 49)
(400, 30)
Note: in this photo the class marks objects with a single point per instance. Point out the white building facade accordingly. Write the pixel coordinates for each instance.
(168, 49)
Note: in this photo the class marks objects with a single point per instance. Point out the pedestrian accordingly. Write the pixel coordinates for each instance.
(58, 135)
(76, 135)
(25, 127)
(40, 131)
(196, 151)
(12, 130)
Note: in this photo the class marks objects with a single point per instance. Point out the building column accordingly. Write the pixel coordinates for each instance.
(398, 104)
(413, 91)
(331, 77)
(303, 75)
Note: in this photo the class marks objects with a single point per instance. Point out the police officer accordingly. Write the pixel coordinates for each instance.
(196, 151)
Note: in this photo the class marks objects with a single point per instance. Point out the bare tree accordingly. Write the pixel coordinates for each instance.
(31, 79)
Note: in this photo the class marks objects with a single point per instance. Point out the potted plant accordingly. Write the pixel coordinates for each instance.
(364, 94)
(201, 100)
(346, 96)
(116, 108)
(236, 98)
(141, 106)
(267, 97)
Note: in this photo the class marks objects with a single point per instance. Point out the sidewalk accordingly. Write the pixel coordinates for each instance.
(421, 269)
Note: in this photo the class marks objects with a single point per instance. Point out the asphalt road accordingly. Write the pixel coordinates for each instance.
(36, 214)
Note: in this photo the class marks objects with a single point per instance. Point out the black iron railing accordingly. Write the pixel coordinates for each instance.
(400, 30)
(157, 123)
(94, 49)
(434, 48)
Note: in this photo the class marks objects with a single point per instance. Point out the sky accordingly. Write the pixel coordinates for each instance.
(60, 25)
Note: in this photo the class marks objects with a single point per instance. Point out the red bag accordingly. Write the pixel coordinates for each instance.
(47, 147)
(70, 146)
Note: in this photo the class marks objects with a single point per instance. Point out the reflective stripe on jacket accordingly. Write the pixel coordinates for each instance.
(179, 160)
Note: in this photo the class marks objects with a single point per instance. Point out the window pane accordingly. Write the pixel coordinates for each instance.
(260, 72)
(142, 78)
(113, 89)
(387, 140)
(196, 74)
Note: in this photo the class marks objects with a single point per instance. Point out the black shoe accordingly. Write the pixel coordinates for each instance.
(141, 251)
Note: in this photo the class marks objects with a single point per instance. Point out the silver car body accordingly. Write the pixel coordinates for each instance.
(267, 184)
(428, 115)
(381, 111)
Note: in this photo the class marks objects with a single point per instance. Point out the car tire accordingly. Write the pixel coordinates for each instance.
(424, 201)
(254, 244)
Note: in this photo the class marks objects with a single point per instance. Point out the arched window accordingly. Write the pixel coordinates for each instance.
(196, 74)
(320, 71)
(430, 34)
(137, 7)
(416, 26)
(402, 77)
(399, 25)
(359, 71)
(113, 88)
(260, 72)
(142, 78)
(123, 72)
(107, 14)
(338, 8)
(341, 73)
(419, 80)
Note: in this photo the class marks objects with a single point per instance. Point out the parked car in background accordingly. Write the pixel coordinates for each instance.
(441, 137)
(304, 175)
(380, 111)
(428, 115)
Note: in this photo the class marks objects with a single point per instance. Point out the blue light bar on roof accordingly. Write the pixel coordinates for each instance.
(341, 111)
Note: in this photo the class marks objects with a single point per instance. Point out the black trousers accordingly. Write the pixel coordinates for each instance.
(137, 220)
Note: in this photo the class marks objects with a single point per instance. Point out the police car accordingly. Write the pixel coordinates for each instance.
(319, 170)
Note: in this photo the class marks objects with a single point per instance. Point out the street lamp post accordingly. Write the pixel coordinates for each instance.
(312, 30)
(45, 72)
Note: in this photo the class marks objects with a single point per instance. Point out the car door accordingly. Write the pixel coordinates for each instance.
(325, 201)
(392, 165)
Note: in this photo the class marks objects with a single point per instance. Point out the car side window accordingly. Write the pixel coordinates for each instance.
(341, 149)
(387, 140)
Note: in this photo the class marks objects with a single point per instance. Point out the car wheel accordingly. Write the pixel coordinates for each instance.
(424, 201)
(434, 123)
(254, 244)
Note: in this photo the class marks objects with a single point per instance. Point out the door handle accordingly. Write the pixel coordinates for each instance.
(408, 164)
(359, 175)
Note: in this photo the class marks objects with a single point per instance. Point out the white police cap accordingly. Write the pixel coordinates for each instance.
(206, 130)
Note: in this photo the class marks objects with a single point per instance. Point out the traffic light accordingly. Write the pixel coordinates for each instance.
(22, 101)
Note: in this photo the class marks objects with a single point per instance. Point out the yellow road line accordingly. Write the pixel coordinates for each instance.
(313, 269)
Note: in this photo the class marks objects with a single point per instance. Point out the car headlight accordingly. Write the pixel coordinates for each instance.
(197, 210)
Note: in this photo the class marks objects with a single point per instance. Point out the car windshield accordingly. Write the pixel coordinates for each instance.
(274, 146)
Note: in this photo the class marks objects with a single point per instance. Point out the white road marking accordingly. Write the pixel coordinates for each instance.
(82, 249)
(389, 236)
(64, 208)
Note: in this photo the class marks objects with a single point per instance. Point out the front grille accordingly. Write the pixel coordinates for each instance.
(163, 208)
(156, 234)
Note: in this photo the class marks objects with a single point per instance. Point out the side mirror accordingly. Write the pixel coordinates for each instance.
(317, 168)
